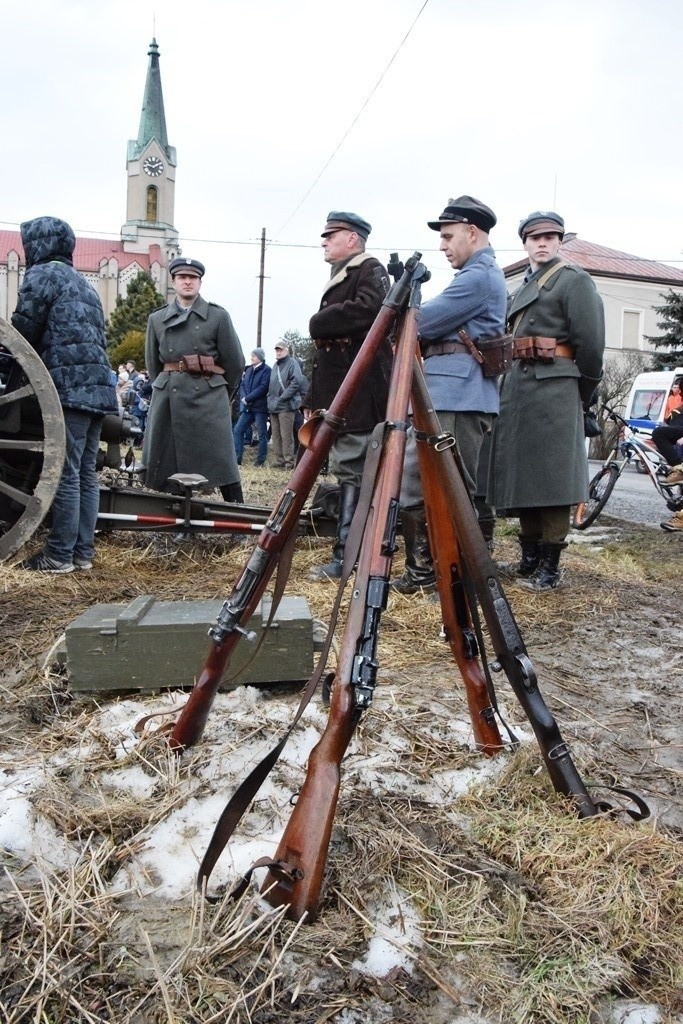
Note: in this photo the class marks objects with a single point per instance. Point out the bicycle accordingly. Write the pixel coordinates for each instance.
(628, 449)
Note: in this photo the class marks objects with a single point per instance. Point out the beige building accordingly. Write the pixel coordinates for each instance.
(630, 288)
(149, 241)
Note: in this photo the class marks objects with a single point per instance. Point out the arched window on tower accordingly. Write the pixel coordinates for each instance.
(152, 202)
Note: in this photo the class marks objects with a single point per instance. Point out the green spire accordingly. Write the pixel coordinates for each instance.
(152, 118)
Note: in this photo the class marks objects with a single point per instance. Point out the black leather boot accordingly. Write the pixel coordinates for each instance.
(528, 563)
(232, 493)
(547, 573)
(348, 499)
(419, 571)
(487, 526)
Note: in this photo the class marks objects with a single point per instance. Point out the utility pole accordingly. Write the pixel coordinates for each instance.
(261, 277)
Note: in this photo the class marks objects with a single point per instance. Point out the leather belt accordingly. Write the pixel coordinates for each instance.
(443, 348)
(181, 367)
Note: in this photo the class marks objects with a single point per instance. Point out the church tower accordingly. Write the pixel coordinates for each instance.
(151, 165)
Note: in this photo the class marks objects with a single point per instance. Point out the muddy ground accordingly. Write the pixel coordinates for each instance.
(609, 658)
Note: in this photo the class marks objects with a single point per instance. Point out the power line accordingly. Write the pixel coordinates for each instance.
(353, 123)
(395, 247)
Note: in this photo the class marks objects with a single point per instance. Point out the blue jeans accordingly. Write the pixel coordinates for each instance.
(77, 501)
(247, 417)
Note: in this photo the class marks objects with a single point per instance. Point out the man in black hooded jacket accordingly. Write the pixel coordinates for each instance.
(61, 316)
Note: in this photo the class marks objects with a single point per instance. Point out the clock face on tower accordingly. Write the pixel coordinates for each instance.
(153, 166)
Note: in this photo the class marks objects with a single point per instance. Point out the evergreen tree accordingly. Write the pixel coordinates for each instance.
(131, 313)
(131, 346)
(301, 347)
(671, 341)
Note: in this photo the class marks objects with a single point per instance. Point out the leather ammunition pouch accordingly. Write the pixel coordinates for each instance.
(494, 355)
(205, 366)
(534, 348)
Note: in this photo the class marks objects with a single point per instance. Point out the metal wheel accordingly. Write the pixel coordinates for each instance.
(32, 440)
(599, 490)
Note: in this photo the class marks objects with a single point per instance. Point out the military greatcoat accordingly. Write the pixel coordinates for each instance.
(351, 300)
(538, 456)
(189, 428)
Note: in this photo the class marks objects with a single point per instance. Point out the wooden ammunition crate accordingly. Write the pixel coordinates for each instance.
(149, 645)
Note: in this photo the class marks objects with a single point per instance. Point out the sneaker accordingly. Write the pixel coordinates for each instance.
(43, 563)
(674, 477)
(82, 564)
(674, 524)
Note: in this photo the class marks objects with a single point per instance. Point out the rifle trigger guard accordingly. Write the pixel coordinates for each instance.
(528, 671)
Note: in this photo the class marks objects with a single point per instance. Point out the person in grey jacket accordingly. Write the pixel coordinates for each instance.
(464, 400)
(538, 467)
(61, 316)
(195, 361)
(285, 394)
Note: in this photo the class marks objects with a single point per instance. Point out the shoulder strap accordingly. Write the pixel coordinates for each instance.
(542, 281)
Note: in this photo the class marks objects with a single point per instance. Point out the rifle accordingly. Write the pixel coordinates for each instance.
(467, 575)
(295, 876)
(511, 654)
(276, 540)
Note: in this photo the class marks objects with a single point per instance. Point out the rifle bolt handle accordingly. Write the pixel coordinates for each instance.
(496, 666)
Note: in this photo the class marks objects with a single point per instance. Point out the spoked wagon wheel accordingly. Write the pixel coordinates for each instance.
(32, 441)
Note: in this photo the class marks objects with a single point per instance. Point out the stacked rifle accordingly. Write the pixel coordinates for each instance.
(468, 587)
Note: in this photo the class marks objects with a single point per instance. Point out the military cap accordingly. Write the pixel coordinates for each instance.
(465, 210)
(187, 266)
(541, 222)
(337, 221)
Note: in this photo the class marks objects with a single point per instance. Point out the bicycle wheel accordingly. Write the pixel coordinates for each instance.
(599, 490)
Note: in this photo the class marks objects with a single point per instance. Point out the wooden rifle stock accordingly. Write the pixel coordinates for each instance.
(443, 542)
(296, 876)
(506, 639)
(283, 523)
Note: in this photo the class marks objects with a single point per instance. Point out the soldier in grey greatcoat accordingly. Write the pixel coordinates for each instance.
(189, 427)
(538, 466)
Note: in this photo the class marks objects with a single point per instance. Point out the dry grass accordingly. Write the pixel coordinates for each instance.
(528, 915)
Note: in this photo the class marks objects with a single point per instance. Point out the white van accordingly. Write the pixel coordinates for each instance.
(647, 400)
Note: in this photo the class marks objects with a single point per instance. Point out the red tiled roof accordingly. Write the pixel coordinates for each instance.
(599, 261)
(89, 252)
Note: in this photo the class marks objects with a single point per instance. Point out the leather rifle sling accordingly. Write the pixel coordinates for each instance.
(247, 790)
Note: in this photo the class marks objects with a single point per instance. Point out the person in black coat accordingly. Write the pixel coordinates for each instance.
(351, 300)
(61, 316)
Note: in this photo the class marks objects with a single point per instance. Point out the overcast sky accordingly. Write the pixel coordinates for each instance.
(573, 105)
